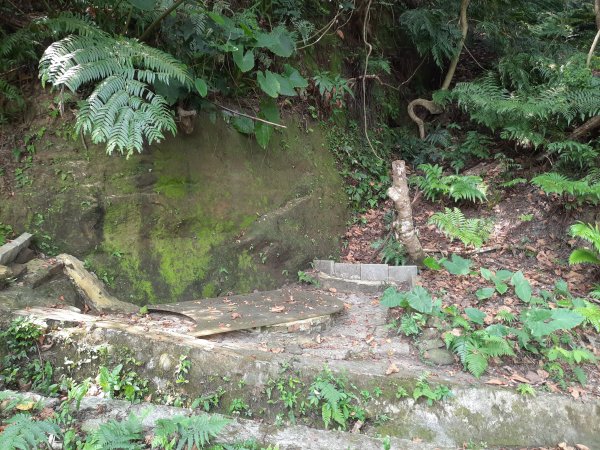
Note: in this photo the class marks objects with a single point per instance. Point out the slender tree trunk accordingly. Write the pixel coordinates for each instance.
(403, 225)
(154, 24)
(597, 37)
(428, 104)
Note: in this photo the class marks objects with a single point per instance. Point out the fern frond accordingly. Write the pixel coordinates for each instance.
(22, 432)
(188, 432)
(122, 110)
(113, 435)
(454, 224)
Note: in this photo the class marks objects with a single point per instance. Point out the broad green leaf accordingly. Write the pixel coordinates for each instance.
(144, 5)
(217, 18)
(503, 275)
(279, 41)
(419, 299)
(201, 87)
(391, 298)
(475, 315)
(268, 83)
(245, 62)
(501, 288)
(263, 133)
(243, 124)
(457, 265)
(285, 86)
(432, 263)
(486, 273)
(522, 286)
(484, 293)
(565, 319)
(269, 110)
(297, 80)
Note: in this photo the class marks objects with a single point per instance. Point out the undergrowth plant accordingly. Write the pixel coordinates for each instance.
(591, 234)
(454, 224)
(548, 331)
(435, 185)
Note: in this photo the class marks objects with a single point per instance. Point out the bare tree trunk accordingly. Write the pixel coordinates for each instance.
(403, 225)
(597, 37)
(428, 104)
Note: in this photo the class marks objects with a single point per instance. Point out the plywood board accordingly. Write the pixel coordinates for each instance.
(259, 309)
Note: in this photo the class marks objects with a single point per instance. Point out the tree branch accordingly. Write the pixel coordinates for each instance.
(160, 18)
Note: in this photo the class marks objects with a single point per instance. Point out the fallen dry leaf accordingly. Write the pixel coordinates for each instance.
(235, 315)
(581, 447)
(519, 378)
(277, 309)
(392, 369)
(496, 382)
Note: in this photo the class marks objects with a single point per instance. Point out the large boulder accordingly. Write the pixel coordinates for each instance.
(197, 216)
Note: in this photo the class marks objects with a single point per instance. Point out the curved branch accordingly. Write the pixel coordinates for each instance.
(429, 105)
(160, 18)
(597, 37)
(432, 107)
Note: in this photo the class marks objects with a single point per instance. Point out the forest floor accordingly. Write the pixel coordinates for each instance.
(530, 234)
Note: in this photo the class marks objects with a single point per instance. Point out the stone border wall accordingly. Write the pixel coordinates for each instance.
(382, 273)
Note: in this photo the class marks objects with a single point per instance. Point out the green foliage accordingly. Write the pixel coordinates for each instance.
(123, 435)
(591, 234)
(457, 265)
(122, 110)
(432, 33)
(454, 224)
(181, 432)
(411, 324)
(391, 251)
(417, 299)
(432, 394)
(475, 348)
(526, 389)
(23, 432)
(581, 191)
(435, 185)
(120, 383)
(304, 277)
(337, 404)
(6, 231)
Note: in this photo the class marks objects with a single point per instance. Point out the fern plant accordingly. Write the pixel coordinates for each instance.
(591, 234)
(586, 190)
(123, 435)
(122, 111)
(454, 224)
(22, 432)
(476, 348)
(188, 433)
(457, 187)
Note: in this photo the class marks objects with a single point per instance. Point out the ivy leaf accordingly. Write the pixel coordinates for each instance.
(268, 83)
(501, 288)
(201, 87)
(419, 299)
(392, 298)
(432, 263)
(475, 315)
(522, 286)
(245, 62)
(484, 293)
(263, 133)
(457, 265)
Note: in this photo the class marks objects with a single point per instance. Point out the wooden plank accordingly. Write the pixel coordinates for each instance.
(259, 309)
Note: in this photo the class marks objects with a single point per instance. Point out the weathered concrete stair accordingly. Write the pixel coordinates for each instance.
(501, 417)
(366, 278)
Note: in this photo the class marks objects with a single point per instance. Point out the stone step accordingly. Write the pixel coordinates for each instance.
(366, 278)
(477, 412)
(95, 411)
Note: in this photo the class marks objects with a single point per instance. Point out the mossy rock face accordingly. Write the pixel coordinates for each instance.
(194, 217)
